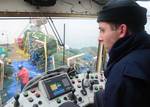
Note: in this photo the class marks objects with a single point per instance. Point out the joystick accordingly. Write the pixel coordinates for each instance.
(16, 103)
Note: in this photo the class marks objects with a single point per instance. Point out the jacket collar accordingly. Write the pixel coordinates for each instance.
(126, 45)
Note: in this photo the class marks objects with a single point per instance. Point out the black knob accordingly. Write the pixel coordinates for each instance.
(25, 94)
(101, 80)
(40, 102)
(65, 98)
(35, 105)
(96, 76)
(37, 95)
(71, 77)
(96, 88)
(30, 99)
(79, 80)
(76, 76)
(73, 81)
(87, 76)
(91, 85)
(33, 91)
(80, 99)
(72, 96)
(79, 86)
(92, 77)
(58, 100)
(101, 87)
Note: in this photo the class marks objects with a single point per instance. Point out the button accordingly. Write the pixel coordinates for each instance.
(96, 88)
(101, 74)
(65, 98)
(101, 87)
(40, 102)
(73, 82)
(37, 95)
(25, 94)
(79, 86)
(80, 99)
(96, 76)
(79, 80)
(101, 80)
(92, 76)
(33, 91)
(35, 105)
(76, 76)
(30, 99)
(71, 77)
(58, 100)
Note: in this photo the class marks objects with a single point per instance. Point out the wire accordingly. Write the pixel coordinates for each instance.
(52, 25)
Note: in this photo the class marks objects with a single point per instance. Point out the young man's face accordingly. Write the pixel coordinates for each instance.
(108, 35)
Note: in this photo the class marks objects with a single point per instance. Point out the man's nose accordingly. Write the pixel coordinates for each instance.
(100, 38)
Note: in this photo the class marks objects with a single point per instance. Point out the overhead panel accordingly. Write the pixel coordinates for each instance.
(58, 8)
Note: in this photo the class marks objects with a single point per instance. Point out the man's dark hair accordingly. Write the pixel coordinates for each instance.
(124, 12)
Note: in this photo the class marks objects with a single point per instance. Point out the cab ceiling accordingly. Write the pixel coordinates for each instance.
(62, 8)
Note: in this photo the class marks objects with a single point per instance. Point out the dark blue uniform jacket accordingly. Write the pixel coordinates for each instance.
(127, 74)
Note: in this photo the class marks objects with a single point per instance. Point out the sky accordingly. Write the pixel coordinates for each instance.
(79, 32)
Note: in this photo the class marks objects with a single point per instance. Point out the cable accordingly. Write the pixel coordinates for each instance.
(55, 32)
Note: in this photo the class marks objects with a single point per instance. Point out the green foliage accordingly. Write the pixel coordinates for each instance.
(90, 50)
(59, 56)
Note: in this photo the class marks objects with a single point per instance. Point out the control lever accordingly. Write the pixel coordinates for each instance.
(91, 85)
(83, 91)
(87, 76)
(73, 97)
(16, 97)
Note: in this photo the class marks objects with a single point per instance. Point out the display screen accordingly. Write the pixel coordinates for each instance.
(57, 86)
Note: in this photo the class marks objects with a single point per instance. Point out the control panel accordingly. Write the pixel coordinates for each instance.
(60, 90)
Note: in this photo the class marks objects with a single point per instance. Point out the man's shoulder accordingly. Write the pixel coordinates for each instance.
(137, 64)
(137, 56)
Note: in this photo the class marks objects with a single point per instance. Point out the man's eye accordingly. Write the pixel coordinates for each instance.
(101, 30)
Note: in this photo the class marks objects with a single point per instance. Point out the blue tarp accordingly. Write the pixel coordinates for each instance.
(14, 85)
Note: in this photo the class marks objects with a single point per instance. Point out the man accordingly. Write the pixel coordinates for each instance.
(23, 75)
(121, 24)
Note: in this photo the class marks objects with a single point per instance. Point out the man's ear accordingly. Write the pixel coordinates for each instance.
(122, 30)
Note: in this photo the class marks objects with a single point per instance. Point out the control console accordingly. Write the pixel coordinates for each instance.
(60, 90)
